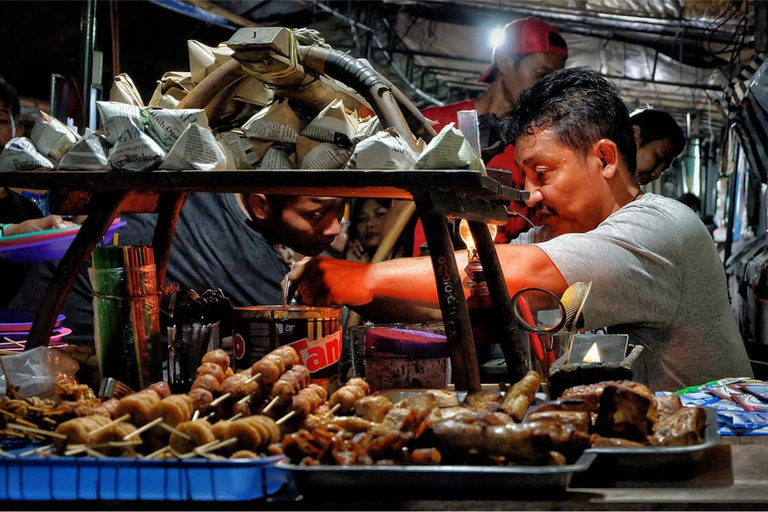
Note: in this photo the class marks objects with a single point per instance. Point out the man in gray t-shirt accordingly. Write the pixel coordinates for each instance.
(655, 271)
(661, 281)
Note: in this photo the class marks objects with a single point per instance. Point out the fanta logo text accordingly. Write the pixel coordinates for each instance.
(320, 353)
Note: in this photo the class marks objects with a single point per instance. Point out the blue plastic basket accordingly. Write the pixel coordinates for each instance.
(89, 478)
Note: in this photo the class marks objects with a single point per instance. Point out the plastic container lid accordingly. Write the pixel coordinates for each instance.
(18, 320)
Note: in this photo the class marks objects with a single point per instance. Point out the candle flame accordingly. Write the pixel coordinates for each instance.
(469, 240)
(593, 355)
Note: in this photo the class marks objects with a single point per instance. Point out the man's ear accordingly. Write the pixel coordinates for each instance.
(608, 154)
(258, 206)
(505, 65)
(638, 135)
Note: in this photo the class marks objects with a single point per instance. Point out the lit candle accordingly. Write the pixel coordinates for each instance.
(593, 355)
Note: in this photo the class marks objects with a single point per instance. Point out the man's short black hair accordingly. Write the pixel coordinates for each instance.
(581, 107)
(9, 95)
(659, 125)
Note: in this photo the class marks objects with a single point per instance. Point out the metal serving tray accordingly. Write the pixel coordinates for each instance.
(654, 462)
(426, 479)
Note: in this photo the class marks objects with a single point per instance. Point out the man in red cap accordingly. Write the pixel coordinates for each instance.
(531, 49)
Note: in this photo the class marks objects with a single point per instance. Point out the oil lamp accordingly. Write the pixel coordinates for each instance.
(479, 300)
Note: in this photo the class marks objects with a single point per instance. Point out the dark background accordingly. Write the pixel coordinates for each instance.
(43, 37)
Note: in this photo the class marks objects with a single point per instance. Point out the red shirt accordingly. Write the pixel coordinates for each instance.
(504, 160)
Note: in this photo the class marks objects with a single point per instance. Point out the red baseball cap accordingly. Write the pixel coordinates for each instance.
(526, 35)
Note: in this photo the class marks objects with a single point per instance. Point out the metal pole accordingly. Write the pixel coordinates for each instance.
(87, 37)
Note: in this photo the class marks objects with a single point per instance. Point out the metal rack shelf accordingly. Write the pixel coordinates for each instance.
(437, 195)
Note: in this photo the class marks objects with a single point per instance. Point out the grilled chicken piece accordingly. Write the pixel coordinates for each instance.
(683, 428)
(373, 408)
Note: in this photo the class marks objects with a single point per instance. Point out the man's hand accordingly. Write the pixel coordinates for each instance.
(324, 281)
(33, 225)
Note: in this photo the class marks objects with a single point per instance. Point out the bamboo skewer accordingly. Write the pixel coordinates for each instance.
(158, 452)
(112, 423)
(37, 431)
(4, 453)
(245, 400)
(236, 416)
(285, 418)
(9, 340)
(37, 450)
(175, 431)
(270, 405)
(196, 415)
(333, 410)
(220, 399)
(143, 429)
(217, 446)
(258, 375)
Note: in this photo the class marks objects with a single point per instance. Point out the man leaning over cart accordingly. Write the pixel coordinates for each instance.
(655, 270)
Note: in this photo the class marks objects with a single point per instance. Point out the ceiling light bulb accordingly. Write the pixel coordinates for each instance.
(497, 37)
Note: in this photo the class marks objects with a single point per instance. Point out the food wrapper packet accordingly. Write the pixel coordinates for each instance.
(171, 89)
(449, 150)
(124, 91)
(36, 372)
(89, 154)
(367, 128)
(277, 158)
(135, 151)
(196, 149)
(384, 150)
(277, 122)
(334, 125)
(52, 138)
(165, 126)
(242, 152)
(116, 118)
(313, 154)
(20, 154)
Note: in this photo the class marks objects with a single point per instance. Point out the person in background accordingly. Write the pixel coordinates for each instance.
(530, 50)
(575, 144)
(659, 140)
(366, 228)
(18, 215)
(221, 241)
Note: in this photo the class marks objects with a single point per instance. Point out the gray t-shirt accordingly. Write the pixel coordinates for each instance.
(657, 277)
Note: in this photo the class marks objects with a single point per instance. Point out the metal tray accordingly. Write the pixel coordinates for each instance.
(654, 462)
(430, 479)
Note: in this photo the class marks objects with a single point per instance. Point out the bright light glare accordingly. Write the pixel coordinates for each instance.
(497, 37)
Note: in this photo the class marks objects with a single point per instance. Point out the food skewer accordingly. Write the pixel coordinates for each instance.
(102, 428)
(345, 397)
(270, 405)
(144, 428)
(306, 402)
(37, 431)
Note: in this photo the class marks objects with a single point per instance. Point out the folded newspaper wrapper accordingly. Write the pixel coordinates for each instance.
(276, 158)
(449, 150)
(368, 127)
(123, 90)
(166, 125)
(196, 149)
(20, 154)
(171, 89)
(384, 150)
(52, 138)
(203, 60)
(242, 152)
(116, 118)
(135, 151)
(90, 154)
(277, 122)
(334, 125)
(313, 154)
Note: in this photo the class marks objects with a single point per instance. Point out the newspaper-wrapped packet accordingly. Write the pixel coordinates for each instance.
(135, 151)
(276, 122)
(368, 127)
(171, 89)
(166, 125)
(449, 150)
(313, 154)
(89, 154)
(242, 152)
(116, 118)
(203, 60)
(124, 91)
(277, 158)
(383, 150)
(20, 154)
(334, 125)
(52, 138)
(196, 148)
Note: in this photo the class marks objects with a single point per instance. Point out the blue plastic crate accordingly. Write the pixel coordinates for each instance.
(89, 478)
